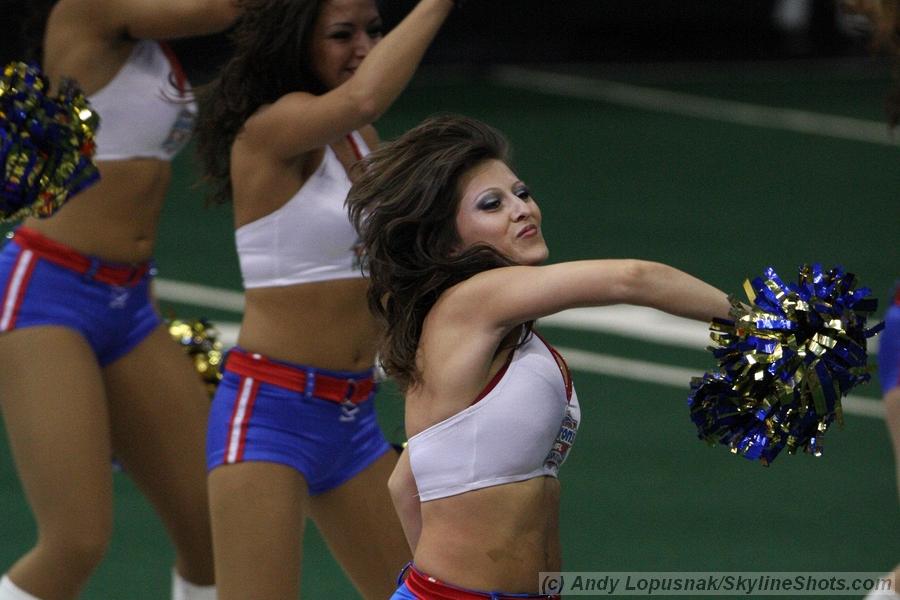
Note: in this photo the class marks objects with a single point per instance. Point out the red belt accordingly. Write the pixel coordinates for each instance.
(69, 258)
(309, 381)
(424, 586)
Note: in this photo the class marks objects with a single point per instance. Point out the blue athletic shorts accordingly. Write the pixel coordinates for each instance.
(889, 348)
(272, 411)
(46, 283)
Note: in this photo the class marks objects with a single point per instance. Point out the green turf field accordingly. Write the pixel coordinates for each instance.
(720, 199)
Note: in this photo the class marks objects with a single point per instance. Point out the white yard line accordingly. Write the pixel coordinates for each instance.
(659, 100)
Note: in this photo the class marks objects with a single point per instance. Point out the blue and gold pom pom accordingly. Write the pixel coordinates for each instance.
(46, 143)
(784, 363)
(200, 340)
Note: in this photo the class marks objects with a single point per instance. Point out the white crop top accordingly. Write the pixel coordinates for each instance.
(521, 428)
(146, 110)
(309, 238)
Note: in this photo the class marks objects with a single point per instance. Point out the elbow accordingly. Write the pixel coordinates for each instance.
(640, 281)
(366, 106)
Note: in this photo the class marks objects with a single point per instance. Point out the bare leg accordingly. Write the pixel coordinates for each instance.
(258, 514)
(158, 408)
(54, 407)
(363, 531)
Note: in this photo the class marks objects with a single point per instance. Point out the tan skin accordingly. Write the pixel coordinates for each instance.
(501, 537)
(147, 408)
(259, 509)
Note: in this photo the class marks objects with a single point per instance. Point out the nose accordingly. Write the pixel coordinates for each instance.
(364, 44)
(521, 209)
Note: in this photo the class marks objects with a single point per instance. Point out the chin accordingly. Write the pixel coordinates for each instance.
(535, 260)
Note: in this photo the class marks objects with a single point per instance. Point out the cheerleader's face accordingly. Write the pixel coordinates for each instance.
(497, 209)
(344, 34)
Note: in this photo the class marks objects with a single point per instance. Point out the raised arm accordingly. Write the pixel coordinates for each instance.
(405, 495)
(140, 19)
(88, 40)
(299, 122)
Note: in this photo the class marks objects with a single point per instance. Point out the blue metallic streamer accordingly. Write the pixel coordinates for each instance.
(46, 143)
(784, 363)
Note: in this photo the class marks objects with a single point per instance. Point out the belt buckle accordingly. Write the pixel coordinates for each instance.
(348, 408)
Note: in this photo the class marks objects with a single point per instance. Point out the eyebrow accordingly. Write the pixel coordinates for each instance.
(351, 24)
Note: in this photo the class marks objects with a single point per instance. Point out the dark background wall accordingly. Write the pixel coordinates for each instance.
(532, 31)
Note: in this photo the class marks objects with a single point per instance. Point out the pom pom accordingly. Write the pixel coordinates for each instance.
(784, 363)
(46, 143)
(200, 341)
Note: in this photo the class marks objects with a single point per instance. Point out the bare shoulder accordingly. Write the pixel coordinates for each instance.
(270, 121)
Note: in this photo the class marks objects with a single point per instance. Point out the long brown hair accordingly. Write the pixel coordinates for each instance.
(271, 50)
(403, 204)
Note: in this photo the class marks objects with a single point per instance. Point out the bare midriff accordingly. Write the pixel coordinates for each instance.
(117, 218)
(495, 538)
(321, 324)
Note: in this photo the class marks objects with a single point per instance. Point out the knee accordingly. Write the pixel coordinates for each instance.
(80, 546)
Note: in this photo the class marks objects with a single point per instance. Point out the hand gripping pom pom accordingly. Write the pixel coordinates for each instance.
(784, 363)
(200, 340)
(46, 143)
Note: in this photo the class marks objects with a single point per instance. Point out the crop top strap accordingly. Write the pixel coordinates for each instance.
(561, 362)
(357, 144)
(178, 73)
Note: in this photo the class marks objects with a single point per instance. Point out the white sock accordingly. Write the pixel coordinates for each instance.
(10, 591)
(185, 590)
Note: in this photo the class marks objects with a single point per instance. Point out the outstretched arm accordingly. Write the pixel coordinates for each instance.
(502, 298)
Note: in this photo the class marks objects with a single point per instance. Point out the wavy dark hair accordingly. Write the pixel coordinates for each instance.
(403, 204)
(271, 59)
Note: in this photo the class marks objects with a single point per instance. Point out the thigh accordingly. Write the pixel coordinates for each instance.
(158, 409)
(258, 513)
(362, 530)
(54, 408)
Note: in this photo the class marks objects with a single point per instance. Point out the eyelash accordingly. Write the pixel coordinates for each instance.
(492, 202)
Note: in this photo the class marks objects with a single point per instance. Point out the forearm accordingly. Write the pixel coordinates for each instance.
(678, 293)
(386, 71)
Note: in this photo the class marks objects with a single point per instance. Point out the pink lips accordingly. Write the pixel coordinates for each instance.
(528, 231)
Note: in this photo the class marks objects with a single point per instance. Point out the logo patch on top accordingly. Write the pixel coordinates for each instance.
(564, 439)
(180, 132)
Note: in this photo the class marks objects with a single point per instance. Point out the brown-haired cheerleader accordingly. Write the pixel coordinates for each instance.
(293, 430)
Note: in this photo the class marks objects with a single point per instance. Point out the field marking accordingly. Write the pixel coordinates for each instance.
(704, 107)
